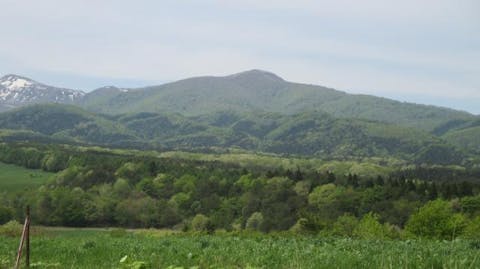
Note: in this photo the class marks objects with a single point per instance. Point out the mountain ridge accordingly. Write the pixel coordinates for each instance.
(258, 90)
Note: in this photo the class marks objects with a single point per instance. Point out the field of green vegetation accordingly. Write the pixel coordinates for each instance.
(235, 210)
(16, 178)
(153, 249)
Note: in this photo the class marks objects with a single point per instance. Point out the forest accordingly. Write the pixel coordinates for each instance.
(99, 187)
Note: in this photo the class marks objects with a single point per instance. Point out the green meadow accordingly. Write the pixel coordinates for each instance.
(15, 178)
(72, 248)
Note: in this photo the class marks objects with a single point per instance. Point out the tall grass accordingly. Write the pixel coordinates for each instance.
(104, 249)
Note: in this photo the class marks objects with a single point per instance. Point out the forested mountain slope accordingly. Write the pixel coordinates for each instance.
(248, 91)
(305, 134)
(257, 90)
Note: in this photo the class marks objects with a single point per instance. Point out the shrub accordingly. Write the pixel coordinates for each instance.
(202, 223)
(11, 228)
(254, 222)
(6, 215)
(345, 225)
(301, 226)
(472, 231)
(436, 220)
(370, 228)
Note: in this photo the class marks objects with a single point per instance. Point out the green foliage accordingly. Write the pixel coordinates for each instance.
(125, 188)
(11, 228)
(369, 227)
(126, 263)
(263, 91)
(436, 220)
(301, 227)
(254, 222)
(472, 231)
(202, 223)
(303, 134)
(66, 249)
(471, 205)
(465, 138)
(346, 225)
(6, 214)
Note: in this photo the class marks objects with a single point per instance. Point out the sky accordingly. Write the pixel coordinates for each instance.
(424, 51)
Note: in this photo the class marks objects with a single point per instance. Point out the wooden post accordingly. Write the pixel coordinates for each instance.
(27, 247)
(25, 234)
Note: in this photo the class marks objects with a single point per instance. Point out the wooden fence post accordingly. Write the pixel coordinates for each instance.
(27, 247)
(25, 237)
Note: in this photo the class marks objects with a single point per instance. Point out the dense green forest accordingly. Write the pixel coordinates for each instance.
(306, 134)
(101, 187)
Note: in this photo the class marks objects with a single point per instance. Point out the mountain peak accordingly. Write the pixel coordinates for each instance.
(257, 74)
(15, 82)
(17, 91)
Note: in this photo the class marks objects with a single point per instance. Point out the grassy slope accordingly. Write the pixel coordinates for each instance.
(15, 178)
(97, 249)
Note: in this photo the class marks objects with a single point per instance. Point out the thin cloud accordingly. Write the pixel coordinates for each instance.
(427, 48)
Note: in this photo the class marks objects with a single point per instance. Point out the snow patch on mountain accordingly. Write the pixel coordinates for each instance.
(15, 83)
(16, 91)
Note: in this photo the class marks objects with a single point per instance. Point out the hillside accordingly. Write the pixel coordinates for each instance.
(305, 134)
(257, 90)
(465, 136)
(64, 122)
(245, 92)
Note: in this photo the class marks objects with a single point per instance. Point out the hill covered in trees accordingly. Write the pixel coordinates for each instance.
(258, 90)
(249, 91)
(305, 134)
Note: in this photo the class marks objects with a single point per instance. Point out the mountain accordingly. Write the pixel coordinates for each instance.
(304, 134)
(258, 90)
(224, 101)
(248, 91)
(16, 91)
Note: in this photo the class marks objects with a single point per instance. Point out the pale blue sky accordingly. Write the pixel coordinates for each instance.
(418, 51)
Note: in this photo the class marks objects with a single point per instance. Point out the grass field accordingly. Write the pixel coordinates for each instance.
(16, 178)
(104, 249)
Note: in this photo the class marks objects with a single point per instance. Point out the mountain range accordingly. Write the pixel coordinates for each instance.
(253, 110)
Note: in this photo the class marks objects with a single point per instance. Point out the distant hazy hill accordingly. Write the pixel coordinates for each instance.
(263, 91)
(307, 134)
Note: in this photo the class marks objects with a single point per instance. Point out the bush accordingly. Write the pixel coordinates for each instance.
(11, 228)
(301, 226)
(254, 222)
(6, 215)
(436, 220)
(201, 223)
(345, 225)
(472, 231)
(370, 228)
